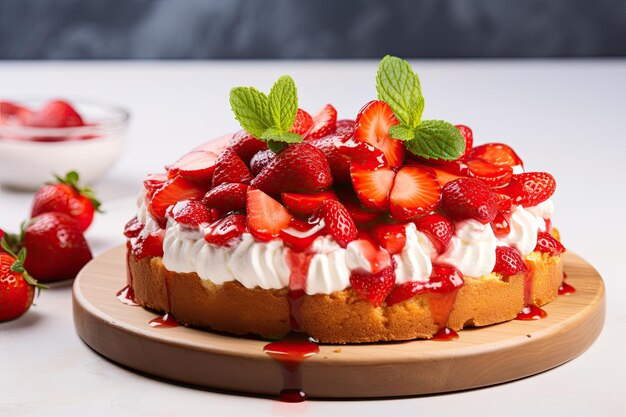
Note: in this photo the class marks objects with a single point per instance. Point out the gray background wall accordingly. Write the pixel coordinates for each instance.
(197, 29)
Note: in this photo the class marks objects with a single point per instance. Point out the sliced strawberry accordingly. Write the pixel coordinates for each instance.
(222, 232)
(530, 188)
(14, 113)
(345, 127)
(509, 261)
(362, 152)
(444, 177)
(338, 221)
(372, 126)
(546, 243)
(372, 186)
(456, 167)
(260, 161)
(301, 168)
(497, 154)
(392, 237)
(132, 228)
(438, 229)
(468, 198)
(266, 216)
(503, 202)
(324, 122)
(360, 214)
(300, 234)
(492, 175)
(306, 204)
(172, 192)
(443, 279)
(230, 168)
(57, 113)
(150, 245)
(374, 287)
(153, 182)
(216, 145)
(469, 140)
(501, 226)
(195, 166)
(191, 213)
(227, 197)
(302, 124)
(246, 146)
(415, 192)
(338, 162)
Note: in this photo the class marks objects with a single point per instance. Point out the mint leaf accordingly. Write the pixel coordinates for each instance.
(436, 139)
(401, 132)
(283, 103)
(251, 109)
(399, 86)
(276, 135)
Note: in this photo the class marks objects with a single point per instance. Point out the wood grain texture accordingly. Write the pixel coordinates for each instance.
(480, 357)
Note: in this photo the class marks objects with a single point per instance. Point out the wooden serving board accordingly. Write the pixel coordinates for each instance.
(480, 357)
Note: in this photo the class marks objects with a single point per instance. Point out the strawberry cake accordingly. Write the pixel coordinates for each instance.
(386, 227)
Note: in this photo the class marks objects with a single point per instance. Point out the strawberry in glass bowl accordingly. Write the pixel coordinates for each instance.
(43, 137)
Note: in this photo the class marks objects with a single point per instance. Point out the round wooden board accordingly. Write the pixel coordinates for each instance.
(480, 357)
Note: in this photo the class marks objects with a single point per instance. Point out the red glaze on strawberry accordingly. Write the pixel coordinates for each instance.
(468, 198)
(306, 204)
(133, 228)
(345, 127)
(56, 113)
(338, 162)
(230, 168)
(222, 232)
(301, 168)
(172, 192)
(497, 154)
(469, 140)
(415, 192)
(374, 287)
(361, 215)
(338, 221)
(227, 197)
(246, 146)
(11, 113)
(443, 280)
(191, 213)
(372, 185)
(300, 235)
(509, 261)
(266, 216)
(195, 166)
(503, 202)
(260, 161)
(362, 152)
(530, 188)
(501, 226)
(324, 122)
(392, 237)
(372, 126)
(438, 229)
(492, 175)
(302, 124)
(149, 246)
(153, 182)
(546, 243)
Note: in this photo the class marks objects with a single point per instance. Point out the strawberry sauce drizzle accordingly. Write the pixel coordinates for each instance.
(530, 310)
(445, 334)
(127, 295)
(441, 305)
(166, 321)
(565, 288)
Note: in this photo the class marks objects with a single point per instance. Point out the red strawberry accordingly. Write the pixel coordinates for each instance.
(17, 287)
(509, 261)
(338, 162)
(415, 192)
(195, 166)
(56, 247)
(306, 204)
(191, 213)
(372, 126)
(338, 221)
(468, 198)
(345, 127)
(469, 140)
(57, 113)
(266, 216)
(153, 182)
(224, 230)
(66, 196)
(303, 123)
(443, 279)
(503, 202)
(246, 146)
(372, 185)
(497, 154)
(361, 215)
(500, 226)
(357, 151)
(300, 234)
(150, 245)
(14, 113)
(530, 188)
(133, 228)
(546, 243)
(444, 177)
(172, 192)
(227, 197)
(260, 160)
(374, 287)
(438, 228)
(230, 168)
(301, 168)
(324, 122)
(492, 175)
(392, 237)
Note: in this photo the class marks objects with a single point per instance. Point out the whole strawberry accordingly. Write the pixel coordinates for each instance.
(56, 247)
(17, 287)
(66, 196)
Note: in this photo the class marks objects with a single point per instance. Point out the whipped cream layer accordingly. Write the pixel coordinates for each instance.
(264, 264)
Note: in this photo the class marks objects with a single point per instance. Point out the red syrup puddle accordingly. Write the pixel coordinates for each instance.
(441, 305)
(531, 312)
(445, 334)
(565, 288)
(290, 352)
(167, 321)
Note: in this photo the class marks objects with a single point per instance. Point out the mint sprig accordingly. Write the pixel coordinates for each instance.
(268, 117)
(400, 88)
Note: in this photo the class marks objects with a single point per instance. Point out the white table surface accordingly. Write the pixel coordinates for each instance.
(566, 117)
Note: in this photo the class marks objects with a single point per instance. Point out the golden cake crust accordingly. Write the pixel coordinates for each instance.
(342, 316)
